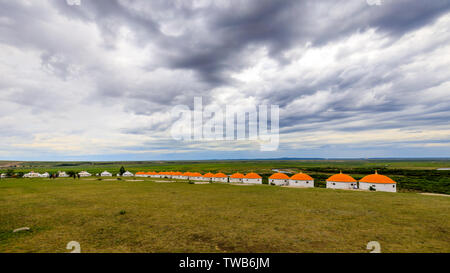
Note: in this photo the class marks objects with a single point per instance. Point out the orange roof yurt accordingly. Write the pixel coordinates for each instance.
(141, 174)
(177, 175)
(378, 182)
(341, 181)
(252, 178)
(220, 177)
(301, 180)
(185, 175)
(237, 178)
(208, 177)
(196, 176)
(279, 179)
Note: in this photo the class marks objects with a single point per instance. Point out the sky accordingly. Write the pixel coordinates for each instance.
(99, 80)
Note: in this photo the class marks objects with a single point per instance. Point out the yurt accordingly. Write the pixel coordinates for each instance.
(84, 174)
(177, 175)
(279, 179)
(252, 178)
(127, 174)
(141, 174)
(237, 178)
(341, 181)
(196, 176)
(301, 180)
(220, 177)
(105, 173)
(32, 175)
(377, 182)
(45, 175)
(62, 174)
(185, 175)
(152, 174)
(208, 177)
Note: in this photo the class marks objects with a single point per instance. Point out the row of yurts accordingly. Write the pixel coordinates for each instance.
(338, 181)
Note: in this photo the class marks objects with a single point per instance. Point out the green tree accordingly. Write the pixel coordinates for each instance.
(122, 171)
(10, 173)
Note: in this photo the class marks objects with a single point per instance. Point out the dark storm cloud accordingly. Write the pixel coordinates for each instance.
(222, 40)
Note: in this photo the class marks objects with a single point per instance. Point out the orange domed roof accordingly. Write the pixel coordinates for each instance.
(377, 178)
(138, 173)
(302, 177)
(237, 175)
(208, 175)
(186, 174)
(279, 176)
(341, 178)
(220, 175)
(252, 176)
(176, 173)
(196, 175)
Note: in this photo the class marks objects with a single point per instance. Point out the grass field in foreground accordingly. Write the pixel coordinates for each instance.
(182, 217)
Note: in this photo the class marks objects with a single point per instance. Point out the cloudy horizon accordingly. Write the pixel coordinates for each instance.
(98, 81)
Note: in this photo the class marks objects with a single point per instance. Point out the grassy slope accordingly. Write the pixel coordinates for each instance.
(179, 217)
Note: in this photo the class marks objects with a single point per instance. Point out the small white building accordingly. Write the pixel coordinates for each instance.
(185, 176)
(176, 175)
(165, 175)
(279, 179)
(208, 177)
(252, 178)
(301, 180)
(32, 175)
(84, 174)
(105, 173)
(341, 181)
(377, 182)
(237, 178)
(196, 176)
(3, 175)
(127, 174)
(220, 177)
(62, 174)
(45, 175)
(141, 174)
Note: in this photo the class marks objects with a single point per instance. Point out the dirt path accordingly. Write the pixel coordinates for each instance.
(435, 194)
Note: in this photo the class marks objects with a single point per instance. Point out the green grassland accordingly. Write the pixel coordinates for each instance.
(411, 175)
(126, 215)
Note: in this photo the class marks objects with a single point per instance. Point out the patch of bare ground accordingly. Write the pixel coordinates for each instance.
(434, 194)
